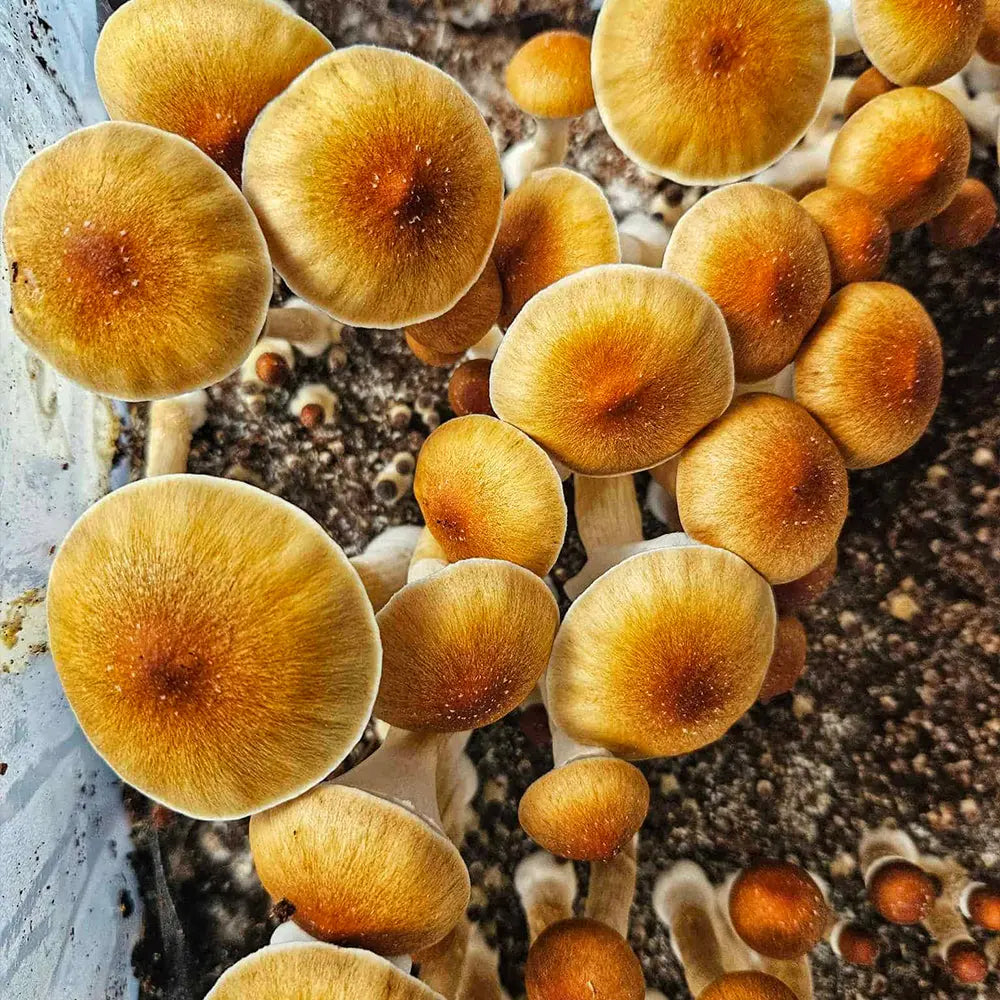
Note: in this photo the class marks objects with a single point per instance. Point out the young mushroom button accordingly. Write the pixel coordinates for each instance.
(747, 986)
(857, 234)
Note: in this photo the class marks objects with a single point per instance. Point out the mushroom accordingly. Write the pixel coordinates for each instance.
(579, 959)
(981, 113)
(953, 943)
(857, 234)
(429, 356)
(766, 482)
(870, 372)
(870, 84)
(748, 985)
(612, 888)
(800, 593)
(643, 239)
(137, 269)
(270, 362)
(486, 348)
(918, 43)
(843, 27)
(614, 369)
(968, 220)
(487, 490)
(428, 557)
(385, 561)
(899, 889)
(980, 903)
(216, 700)
(395, 479)
(469, 388)
(788, 663)
(456, 784)
(988, 43)
(802, 170)
(310, 330)
(546, 888)
(549, 78)
(314, 404)
(779, 252)
(742, 85)
(440, 966)
(907, 151)
(362, 858)
(556, 223)
(172, 422)
(463, 646)
(480, 975)
(378, 187)
(854, 944)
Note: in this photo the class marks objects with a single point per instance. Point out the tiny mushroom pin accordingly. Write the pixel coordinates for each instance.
(308, 329)
(798, 594)
(980, 903)
(898, 887)
(469, 388)
(953, 944)
(854, 944)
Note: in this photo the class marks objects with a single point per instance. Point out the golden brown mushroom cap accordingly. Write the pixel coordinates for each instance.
(800, 593)
(901, 892)
(706, 91)
(217, 647)
(789, 660)
(968, 220)
(857, 234)
(614, 369)
(907, 151)
(871, 372)
(870, 84)
(663, 653)
(582, 959)
(747, 986)
(988, 43)
(202, 70)
(549, 75)
(557, 222)
(918, 41)
(464, 646)
(429, 356)
(487, 490)
(360, 870)
(983, 905)
(378, 187)
(767, 239)
(587, 810)
(316, 972)
(766, 482)
(137, 270)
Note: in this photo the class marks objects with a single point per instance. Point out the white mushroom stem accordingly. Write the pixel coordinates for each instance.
(290, 933)
(982, 112)
(441, 964)
(612, 889)
(315, 394)
(385, 561)
(804, 166)
(545, 148)
(428, 557)
(795, 973)
(992, 950)
(310, 330)
(266, 345)
(486, 348)
(457, 781)
(662, 505)
(945, 922)
(782, 384)
(480, 973)
(564, 747)
(882, 845)
(654, 995)
(981, 75)
(546, 888)
(831, 107)
(845, 38)
(643, 239)
(172, 422)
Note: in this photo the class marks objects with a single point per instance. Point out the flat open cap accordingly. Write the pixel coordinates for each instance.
(137, 269)
(549, 76)
(217, 647)
(378, 186)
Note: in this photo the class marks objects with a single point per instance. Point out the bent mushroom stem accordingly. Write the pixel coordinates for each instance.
(172, 423)
(457, 782)
(384, 564)
(427, 557)
(546, 147)
(546, 888)
(953, 944)
(612, 889)
(310, 330)
(882, 845)
(480, 973)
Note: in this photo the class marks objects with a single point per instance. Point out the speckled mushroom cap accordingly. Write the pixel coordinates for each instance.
(202, 70)
(137, 270)
(707, 91)
(918, 41)
(800, 593)
(900, 891)
(857, 233)
(747, 986)
(766, 482)
(586, 810)
(557, 222)
(378, 187)
(549, 75)
(663, 653)
(988, 43)
(907, 151)
(217, 647)
(776, 248)
(871, 372)
(968, 218)
(464, 646)
(582, 959)
(614, 369)
(317, 972)
(487, 490)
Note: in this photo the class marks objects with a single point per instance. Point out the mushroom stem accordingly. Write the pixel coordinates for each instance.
(802, 168)
(480, 973)
(427, 557)
(782, 384)
(486, 348)
(172, 423)
(612, 889)
(844, 35)
(982, 112)
(385, 561)
(441, 965)
(662, 504)
(830, 107)
(290, 933)
(946, 924)
(547, 888)
(309, 329)
(457, 782)
(643, 239)
(851, 943)
(795, 973)
(545, 148)
(882, 845)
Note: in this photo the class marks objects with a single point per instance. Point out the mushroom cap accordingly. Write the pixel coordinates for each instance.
(967, 962)
(766, 482)
(857, 945)
(778, 909)
(984, 907)
(967, 220)
(614, 369)
(870, 84)
(768, 239)
(747, 986)
(713, 90)
(360, 870)
(466, 322)
(316, 972)
(907, 151)
(988, 43)
(857, 234)
(137, 269)
(788, 663)
(871, 372)
(916, 41)
(582, 959)
(557, 222)
(217, 700)
(549, 75)
(586, 810)
(204, 71)
(487, 490)
(800, 593)
(469, 388)
(663, 653)
(464, 646)
(378, 187)
(430, 356)
(901, 892)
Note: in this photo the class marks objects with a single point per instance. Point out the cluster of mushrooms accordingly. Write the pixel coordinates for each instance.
(225, 656)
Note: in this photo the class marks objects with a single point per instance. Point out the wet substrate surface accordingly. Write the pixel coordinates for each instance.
(898, 717)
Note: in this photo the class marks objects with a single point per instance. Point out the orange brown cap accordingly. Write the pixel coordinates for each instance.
(549, 75)
(429, 356)
(747, 986)
(966, 962)
(788, 663)
(857, 234)
(855, 944)
(982, 906)
(870, 84)
(988, 43)
(469, 388)
(968, 220)
(901, 891)
(800, 593)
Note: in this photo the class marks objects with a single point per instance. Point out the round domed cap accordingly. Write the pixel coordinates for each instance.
(800, 593)
(378, 187)
(663, 653)
(704, 93)
(870, 84)
(901, 892)
(789, 660)
(983, 905)
(968, 220)
(549, 76)
(766, 482)
(871, 372)
(967, 962)
(201, 70)
(857, 234)
(777, 249)
(614, 369)
(217, 647)
(137, 269)
(747, 986)
(466, 322)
